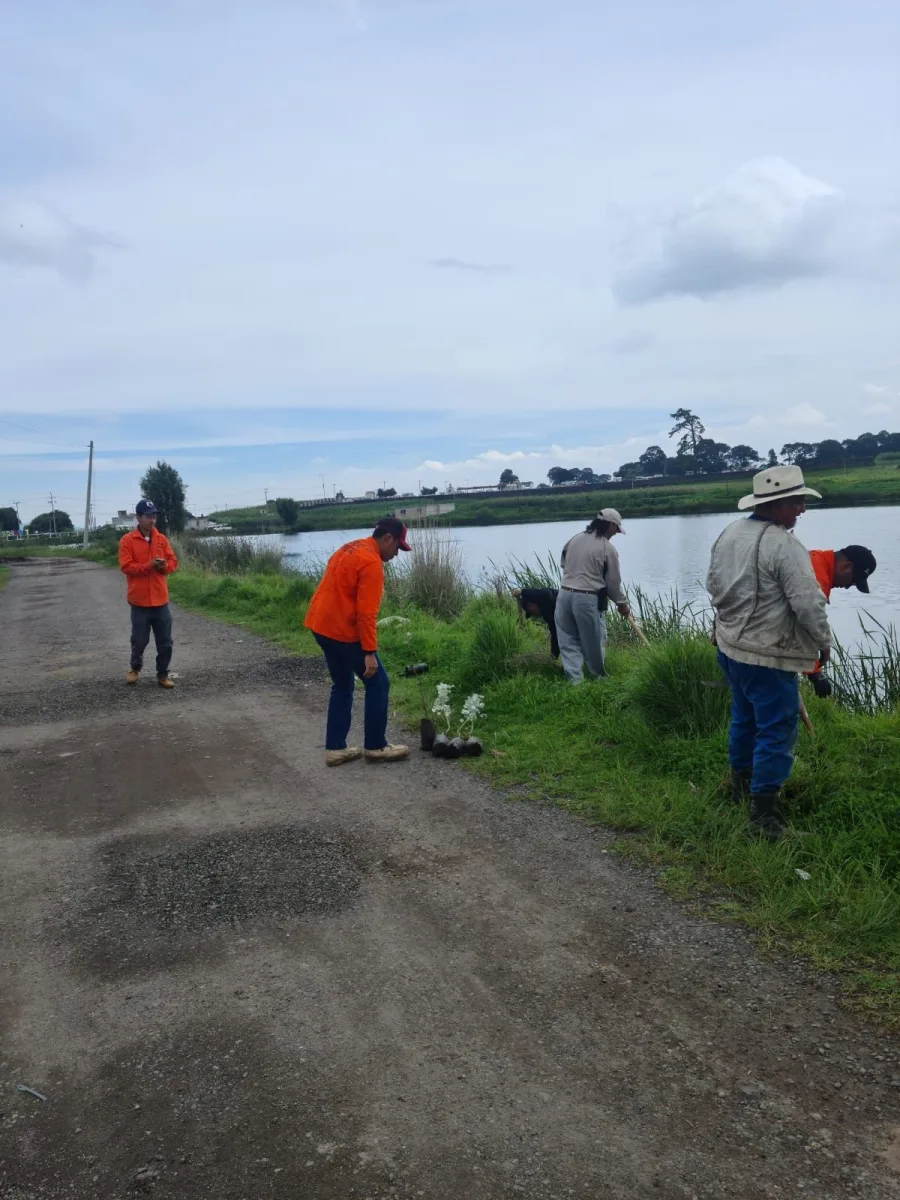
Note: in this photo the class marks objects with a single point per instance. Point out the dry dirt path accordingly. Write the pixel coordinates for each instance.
(236, 975)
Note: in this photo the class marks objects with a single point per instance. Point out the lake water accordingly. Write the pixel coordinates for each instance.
(665, 553)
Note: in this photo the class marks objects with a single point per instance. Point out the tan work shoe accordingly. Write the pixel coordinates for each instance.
(388, 754)
(132, 676)
(336, 758)
(165, 681)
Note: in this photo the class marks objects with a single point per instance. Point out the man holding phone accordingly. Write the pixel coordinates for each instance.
(146, 558)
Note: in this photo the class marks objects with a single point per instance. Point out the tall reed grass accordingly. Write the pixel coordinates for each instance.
(432, 577)
(232, 555)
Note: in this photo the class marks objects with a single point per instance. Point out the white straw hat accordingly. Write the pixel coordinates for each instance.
(777, 483)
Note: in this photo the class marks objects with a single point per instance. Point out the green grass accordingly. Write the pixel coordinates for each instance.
(854, 487)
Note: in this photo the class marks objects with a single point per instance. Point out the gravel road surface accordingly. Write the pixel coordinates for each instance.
(234, 974)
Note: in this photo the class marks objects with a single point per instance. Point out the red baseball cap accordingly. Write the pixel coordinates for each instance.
(395, 528)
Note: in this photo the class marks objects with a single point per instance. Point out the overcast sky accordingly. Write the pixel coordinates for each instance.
(290, 244)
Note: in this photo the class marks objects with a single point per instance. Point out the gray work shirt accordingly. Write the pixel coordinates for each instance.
(591, 564)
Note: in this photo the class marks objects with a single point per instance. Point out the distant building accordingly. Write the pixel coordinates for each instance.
(422, 512)
(199, 523)
(123, 520)
(371, 495)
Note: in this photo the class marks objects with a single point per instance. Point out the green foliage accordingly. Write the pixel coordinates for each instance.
(432, 577)
(8, 519)
(666, 686)
(889, 458)
(497, 641)
(164, 486)
(229, 555)
(51, 522)
(288, 510)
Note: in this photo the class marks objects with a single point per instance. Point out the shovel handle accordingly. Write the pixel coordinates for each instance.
(637, 629)
(804, 717)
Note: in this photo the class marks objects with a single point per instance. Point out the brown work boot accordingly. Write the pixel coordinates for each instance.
(133, 676)
(387, 754)
(336, 758)
(165, 681)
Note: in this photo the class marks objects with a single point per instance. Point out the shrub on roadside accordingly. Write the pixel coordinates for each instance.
(432, 577)
(666, 687)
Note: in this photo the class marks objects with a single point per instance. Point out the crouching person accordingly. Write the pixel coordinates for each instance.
(770, 625)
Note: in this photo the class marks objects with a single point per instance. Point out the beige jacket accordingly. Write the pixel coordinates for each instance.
(770, 610)
(591, 564)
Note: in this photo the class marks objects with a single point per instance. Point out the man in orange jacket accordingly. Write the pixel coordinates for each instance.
(146, 558)
(847, 568)
(342, 615)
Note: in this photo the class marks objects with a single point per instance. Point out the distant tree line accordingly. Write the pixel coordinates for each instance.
(700, 455)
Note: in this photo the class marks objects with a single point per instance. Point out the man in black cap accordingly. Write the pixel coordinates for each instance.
(847, 568)
(146, 559)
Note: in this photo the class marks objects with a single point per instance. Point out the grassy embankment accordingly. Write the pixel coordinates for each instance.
(643, 751)
(856, 486)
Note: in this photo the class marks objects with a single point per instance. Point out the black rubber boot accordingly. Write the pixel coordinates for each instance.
(765, 817)
(740, 786)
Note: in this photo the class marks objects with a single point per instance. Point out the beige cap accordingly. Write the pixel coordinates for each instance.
(610, 514)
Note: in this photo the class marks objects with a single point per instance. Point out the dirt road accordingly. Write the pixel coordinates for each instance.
(234, 974)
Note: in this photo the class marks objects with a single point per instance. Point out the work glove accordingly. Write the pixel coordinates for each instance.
(821, 685)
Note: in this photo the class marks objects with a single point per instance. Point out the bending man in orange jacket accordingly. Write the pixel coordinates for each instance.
(146, 558)
(850, 567)
(342, 615)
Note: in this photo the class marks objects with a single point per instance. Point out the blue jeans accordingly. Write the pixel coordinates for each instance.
(346, 661)
(765, 717)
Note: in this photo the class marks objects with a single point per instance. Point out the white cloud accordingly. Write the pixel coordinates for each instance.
(765, 225)
(874, 389)
(36, 235)
(877, 410)
(632, 342)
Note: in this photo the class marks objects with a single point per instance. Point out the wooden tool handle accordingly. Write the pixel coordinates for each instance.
(637, 629)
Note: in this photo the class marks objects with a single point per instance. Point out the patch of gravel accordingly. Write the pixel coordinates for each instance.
(158, 900)
(64, 699)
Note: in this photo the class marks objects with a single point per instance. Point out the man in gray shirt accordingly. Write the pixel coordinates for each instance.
(590, 578)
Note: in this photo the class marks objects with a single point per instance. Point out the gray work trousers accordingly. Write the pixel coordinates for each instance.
(581, 629)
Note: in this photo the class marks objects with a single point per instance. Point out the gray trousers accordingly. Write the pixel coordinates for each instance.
(159, 619)
(581, 629)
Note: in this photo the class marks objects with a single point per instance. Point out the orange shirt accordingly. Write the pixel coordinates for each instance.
(147, 587)
(346, 602)
(823, 565)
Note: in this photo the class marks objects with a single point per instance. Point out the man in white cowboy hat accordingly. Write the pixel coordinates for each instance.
(770, 624)
(590, 579)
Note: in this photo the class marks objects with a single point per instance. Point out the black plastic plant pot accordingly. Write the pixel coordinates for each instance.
(426, 734)
(458, 746)
(441, 747)
(474, 747)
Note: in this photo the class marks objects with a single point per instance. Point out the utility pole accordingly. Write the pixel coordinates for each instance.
(322, 477)
(266, 491)
(52, 517)
(87, 505)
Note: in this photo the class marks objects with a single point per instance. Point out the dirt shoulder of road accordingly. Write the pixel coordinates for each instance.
(234, 973)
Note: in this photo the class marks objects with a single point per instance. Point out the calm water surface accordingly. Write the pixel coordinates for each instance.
(665, 553)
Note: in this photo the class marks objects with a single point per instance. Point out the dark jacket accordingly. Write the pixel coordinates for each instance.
(545, 599)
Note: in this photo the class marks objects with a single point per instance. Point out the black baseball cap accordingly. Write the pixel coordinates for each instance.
(395, 528)
(863, 565)
(145, 508)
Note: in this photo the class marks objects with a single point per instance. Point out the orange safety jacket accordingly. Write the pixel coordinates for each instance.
(345, 605)
(823, 566)
(147, 587)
